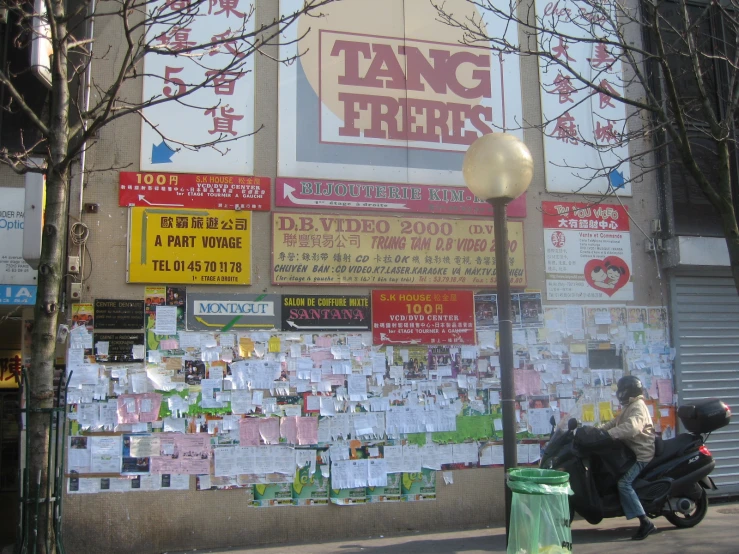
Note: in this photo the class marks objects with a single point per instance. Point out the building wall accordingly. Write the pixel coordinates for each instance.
(161, 521)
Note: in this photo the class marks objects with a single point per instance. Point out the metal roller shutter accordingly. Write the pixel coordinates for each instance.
(705, 330)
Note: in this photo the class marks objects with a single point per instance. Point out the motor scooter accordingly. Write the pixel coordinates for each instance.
(673, 484)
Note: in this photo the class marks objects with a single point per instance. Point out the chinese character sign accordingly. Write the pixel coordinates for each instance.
(196, 57)
(587, 251)
(384, 92)
(585, 126)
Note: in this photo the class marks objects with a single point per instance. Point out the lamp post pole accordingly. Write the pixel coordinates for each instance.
(505, 333)
(498, 168)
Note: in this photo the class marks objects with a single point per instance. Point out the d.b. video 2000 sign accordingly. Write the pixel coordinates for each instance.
(332, 249)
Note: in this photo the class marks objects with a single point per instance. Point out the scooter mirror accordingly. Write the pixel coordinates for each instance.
(552, 421)
(572, 424)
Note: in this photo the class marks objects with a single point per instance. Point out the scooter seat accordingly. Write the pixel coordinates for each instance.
(669, 449)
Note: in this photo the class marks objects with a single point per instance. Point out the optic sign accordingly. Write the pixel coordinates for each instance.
(423, 317)
(579, 117)
(327, 313)
(361, 195)
(13, 268)
(382, 91)
(212, 312)
(330, 249)
(223, 110)
(187, 190)
(587, 251)
(205, 247)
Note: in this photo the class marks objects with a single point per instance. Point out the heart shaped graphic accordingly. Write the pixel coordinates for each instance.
(607, 275)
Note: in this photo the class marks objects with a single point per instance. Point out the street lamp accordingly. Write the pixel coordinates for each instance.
(498, 168)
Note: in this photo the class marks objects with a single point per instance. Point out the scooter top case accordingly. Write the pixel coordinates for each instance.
(704, 416)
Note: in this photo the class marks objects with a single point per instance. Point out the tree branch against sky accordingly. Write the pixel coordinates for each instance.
(659, 60)
(78, 107)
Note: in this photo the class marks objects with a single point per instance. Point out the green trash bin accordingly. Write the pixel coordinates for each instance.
(540, 512)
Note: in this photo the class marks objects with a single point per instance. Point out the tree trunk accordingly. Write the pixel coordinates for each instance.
(50, 279)
(41, 374)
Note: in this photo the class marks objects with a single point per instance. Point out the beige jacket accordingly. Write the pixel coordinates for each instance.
(634, 428)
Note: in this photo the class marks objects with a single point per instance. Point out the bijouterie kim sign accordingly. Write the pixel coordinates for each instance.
(384, 92)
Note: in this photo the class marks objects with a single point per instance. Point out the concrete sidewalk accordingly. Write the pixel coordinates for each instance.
(716, 534)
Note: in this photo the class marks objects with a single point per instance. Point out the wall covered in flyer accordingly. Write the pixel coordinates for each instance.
(310, 417)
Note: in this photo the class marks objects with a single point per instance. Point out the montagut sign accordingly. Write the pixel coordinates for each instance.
(384, 91)
(190, 190)
(391, 197)
(212, 312)
(204, 307)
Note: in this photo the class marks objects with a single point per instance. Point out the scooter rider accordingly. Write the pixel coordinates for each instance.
(634, 428)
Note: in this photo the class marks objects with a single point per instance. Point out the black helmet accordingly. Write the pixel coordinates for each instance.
(629, 386)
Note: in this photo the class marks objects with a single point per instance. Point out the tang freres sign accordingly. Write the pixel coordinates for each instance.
(384, 92)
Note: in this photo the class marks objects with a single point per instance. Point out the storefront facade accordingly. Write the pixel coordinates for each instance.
(322, 297)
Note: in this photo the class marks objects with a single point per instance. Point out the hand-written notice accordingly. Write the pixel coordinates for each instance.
(331, 249)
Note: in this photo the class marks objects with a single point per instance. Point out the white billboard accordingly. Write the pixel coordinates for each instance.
(382, 91)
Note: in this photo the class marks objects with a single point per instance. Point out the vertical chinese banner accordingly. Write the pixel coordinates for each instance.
(219, 109)
(385, 92)
(584, 139)
(587, 252)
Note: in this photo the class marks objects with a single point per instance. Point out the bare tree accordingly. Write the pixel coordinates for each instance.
(77, 108)
(672, 65)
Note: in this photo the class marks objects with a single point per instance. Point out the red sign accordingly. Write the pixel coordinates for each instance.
(389, 197)
(194, 190)
(596, 217)
(423, 317)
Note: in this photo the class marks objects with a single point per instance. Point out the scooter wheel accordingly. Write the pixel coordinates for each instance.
(683, 521)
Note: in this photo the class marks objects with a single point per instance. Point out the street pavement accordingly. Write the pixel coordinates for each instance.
(716, 534)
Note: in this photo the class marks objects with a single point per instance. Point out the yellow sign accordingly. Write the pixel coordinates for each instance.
(328, 249)
(10, 369)
(207, 247)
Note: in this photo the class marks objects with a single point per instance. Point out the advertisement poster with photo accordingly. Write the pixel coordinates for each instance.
(526, 310)
(383, 92)
(587, 251)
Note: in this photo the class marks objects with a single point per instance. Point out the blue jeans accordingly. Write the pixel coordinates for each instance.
(629, 500)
